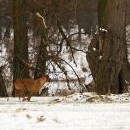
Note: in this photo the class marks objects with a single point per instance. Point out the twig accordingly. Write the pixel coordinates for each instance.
(67, 41)
(41, 17)
(65, 73)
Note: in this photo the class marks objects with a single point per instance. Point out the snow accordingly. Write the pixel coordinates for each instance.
(94, 49)
(88, 78)
(103, 29)
(56, 113)
(100, 57)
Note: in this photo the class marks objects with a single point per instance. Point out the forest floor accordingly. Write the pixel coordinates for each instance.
(85, 111)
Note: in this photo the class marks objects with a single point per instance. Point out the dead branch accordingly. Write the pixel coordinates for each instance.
(66, 39)
(64, 71)
(42, 18)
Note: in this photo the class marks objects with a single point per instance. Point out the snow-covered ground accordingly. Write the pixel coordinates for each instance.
(85, 111)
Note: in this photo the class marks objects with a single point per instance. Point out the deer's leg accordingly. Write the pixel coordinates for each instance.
(18, 93)
(24, 95)
(24, 98)
(29, 96)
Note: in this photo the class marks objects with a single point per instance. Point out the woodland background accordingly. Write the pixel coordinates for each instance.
(39, 36)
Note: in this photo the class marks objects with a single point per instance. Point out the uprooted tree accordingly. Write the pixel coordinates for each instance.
(107, 53)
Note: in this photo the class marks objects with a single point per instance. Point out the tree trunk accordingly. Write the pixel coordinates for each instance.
(41, 59)
(42, 53)
(107, 55)
(3, 91)
(20, 39)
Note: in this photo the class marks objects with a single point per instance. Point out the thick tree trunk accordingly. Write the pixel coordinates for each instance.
(102, 16)
(107, 55)
(20, 39)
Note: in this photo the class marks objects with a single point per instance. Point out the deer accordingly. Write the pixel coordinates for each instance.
(26, 87)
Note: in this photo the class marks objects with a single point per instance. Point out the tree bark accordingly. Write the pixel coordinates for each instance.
(3, 91)
(20, 39)
(107, 55)
(42, 53)
(42, 57)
